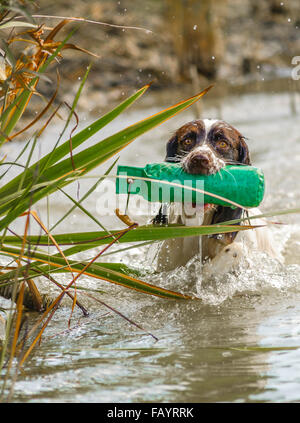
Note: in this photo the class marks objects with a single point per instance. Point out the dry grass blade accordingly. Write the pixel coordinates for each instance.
(120, 314)
(36, 296)
(34, 214)
(55, 30)
(38, 220)
(18, 320)
(13, 24)
(72, 131)
(83, 309)
(82, 50)
(19, 80)
(40, 115)
(76, 19)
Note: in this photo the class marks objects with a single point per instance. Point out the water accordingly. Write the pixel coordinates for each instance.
(240, 342)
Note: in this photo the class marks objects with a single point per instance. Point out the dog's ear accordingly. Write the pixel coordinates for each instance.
(172, 150)
(244, 155)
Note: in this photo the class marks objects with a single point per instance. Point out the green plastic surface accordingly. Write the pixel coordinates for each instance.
(243, 185)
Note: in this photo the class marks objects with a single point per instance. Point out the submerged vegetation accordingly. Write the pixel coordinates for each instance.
(28, 256)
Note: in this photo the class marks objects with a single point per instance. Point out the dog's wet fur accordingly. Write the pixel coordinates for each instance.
(204, 147)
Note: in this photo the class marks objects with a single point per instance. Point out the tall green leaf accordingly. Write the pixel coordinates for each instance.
(61, 151)
(141, 233)
(92, 157)
(96, 270)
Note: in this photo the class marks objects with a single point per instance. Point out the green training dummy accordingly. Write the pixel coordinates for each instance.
(242, 185)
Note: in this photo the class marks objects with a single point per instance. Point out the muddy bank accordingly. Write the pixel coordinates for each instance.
(257, 41)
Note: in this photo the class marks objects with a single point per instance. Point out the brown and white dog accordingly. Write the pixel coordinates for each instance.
(204, 147)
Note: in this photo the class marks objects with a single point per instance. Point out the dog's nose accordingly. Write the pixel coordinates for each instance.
(200, 161)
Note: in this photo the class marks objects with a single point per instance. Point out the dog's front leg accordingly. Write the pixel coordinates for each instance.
(177, 252)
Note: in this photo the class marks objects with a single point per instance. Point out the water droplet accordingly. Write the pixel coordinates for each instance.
(195, 27)
(226, 354)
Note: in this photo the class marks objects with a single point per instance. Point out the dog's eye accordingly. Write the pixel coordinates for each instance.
(187, 142)
(222, 144)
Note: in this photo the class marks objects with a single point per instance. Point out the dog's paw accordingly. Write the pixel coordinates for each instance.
(228, 260)
(160, 219)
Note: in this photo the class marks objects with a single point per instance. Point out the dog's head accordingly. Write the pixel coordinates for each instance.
(205, 146)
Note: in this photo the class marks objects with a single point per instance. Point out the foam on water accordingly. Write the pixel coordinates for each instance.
(257, 274)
